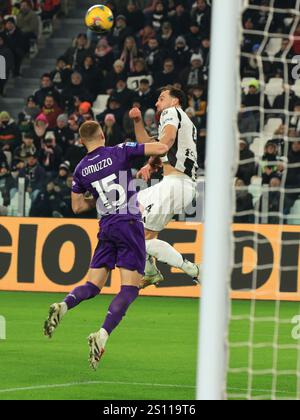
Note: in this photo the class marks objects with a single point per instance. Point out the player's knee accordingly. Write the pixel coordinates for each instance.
(149, 234)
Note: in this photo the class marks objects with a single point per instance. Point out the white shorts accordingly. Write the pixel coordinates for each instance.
(163, 201)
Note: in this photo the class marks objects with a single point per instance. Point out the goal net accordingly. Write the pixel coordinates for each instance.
(264, 335)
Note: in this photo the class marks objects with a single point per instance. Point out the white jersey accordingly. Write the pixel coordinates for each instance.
(183, 154)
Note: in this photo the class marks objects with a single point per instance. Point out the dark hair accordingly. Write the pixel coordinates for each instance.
(175, 93)
(144, 82)
(48, 75)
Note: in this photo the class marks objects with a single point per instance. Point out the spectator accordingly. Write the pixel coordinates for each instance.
(76, 89)
(63, 133)
(6, 52)
(61, 76)
(181, 20)
(43, 205)
(252, 100)
(15, 41)
(167, 37)
(244, 203)
(123, 94)
(127, 122)
(269, 204)
(198, 102)
(112, 131)
(40, 129)
(181, 54)
(129, 53)
(134, 16)
(27, 148)
(28, 22)
(63, 173)
(31, 109)
(201, 15)
(8, 187)
(247, 124)
(113, 107)
(10, 136)
(153, 55)
(193, 36)
(157, 16)
(145, 35)
(167, 76)
(120, 32)
(50, 154)
(75, 153)
(51, 111)
(104, 56)
(111, 79)
(272, 164)
(90, 76)
(146, 96)
(35, 176)
(139, 68)
(49, 9)
(193, 75)
(46, 89)
(76, 55)
(247, 166)
(150, 123)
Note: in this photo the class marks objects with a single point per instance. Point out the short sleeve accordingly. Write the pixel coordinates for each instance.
(169, 117)
(132, 150)
(77, 186)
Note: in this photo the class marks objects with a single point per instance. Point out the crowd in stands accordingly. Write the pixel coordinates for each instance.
(153, 43)
(268, 176)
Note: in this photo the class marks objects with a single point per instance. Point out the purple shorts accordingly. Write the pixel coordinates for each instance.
(121, 244)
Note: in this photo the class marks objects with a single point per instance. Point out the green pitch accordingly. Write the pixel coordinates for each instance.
(151, 356)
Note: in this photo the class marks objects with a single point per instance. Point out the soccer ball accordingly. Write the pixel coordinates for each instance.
(99, 19)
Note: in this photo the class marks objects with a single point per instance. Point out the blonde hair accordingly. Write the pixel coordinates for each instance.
(89, 130)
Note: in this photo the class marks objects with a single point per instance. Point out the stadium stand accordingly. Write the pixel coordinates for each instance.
(68, 75)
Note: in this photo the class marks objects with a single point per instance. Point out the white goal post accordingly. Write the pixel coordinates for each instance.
(224, 97)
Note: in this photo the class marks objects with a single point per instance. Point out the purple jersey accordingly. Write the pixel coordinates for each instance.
(106, 173)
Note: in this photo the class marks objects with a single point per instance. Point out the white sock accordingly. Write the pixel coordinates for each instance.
(165, 253)
(64, 308)
(150, 269)
(103, 336)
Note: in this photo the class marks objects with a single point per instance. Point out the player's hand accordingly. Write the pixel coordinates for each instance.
(135, 114)
(146, 172)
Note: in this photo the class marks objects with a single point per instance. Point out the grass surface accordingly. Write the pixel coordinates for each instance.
(152, 355)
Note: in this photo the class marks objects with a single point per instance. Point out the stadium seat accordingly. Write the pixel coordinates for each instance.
(273, 46)
(258, 146)
(274, 88)
(272, 126)
(255, 188)
(100, 104)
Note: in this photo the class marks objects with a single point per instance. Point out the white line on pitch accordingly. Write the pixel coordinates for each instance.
(73, 384)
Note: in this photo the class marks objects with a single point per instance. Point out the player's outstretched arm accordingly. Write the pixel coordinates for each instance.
(140, 133)
(82, 204)
(156, 149)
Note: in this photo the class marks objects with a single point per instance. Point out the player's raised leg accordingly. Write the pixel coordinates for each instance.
(165, 253)
(97, 279)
